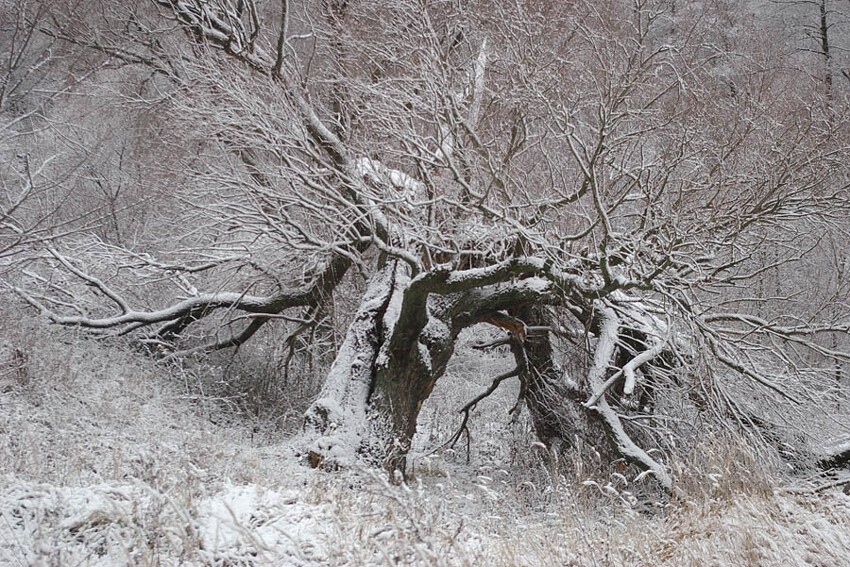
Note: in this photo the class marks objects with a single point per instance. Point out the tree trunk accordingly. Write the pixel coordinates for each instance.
(392, 355)
(399, 345)
(336, 423)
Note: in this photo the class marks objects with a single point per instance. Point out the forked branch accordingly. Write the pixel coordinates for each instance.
(467, 409)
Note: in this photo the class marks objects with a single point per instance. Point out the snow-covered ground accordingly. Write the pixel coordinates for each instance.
(105, 459)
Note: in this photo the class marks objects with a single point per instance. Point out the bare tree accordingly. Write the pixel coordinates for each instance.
(823, 27)
(581, 172)
(29, 59)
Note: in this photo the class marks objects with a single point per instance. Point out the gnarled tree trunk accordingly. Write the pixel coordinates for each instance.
(392, 355)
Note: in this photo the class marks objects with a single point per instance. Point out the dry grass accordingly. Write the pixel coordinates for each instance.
(110, 460)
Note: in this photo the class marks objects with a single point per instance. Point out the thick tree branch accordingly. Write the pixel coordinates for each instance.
(602, 360)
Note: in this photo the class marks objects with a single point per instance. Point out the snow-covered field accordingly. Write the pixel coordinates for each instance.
(106, 459)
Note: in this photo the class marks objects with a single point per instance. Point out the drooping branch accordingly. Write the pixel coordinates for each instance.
(722, 355)
(178, 316)
(792, 333)
(609, 330)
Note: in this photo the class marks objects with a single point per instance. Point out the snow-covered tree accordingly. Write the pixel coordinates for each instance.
(606, 172)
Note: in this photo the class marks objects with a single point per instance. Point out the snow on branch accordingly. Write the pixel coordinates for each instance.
(91, 280)
(724, 356)
(445, 280)
(609, 330)
(221, 22)
(224, 26)
(242, 302)
(61, 305)
(628, 370)
(759, 323)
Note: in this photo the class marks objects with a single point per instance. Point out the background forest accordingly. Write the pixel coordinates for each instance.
(424, 282)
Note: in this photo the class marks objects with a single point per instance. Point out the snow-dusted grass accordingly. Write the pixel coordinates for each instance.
(107, 459)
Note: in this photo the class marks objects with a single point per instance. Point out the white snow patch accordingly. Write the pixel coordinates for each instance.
(250, 520)
(425, 356)
(409, 189)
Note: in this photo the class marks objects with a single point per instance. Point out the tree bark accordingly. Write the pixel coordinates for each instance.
(393, 354)
(336, 424)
